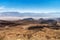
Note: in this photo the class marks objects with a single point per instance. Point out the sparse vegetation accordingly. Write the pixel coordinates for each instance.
(32, 31)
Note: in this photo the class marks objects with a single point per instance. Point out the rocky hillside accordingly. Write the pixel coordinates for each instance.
(29, 29)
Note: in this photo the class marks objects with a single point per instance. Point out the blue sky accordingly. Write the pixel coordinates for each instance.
(36, 6)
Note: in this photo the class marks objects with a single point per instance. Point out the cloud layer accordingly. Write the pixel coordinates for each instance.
(5, 9)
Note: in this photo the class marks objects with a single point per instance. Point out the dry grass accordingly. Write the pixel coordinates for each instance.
(18, 33)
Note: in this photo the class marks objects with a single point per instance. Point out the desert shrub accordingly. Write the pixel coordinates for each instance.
(35, 27)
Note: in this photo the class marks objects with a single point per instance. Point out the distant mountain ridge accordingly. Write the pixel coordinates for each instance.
(17, 14)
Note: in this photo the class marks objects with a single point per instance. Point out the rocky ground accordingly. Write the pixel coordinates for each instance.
(18, 33)
(29, 30)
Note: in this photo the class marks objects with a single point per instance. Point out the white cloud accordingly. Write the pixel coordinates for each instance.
(2, 8)
(5, 9)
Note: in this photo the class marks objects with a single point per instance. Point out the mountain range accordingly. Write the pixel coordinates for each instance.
(25, 15)
(17, 14)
